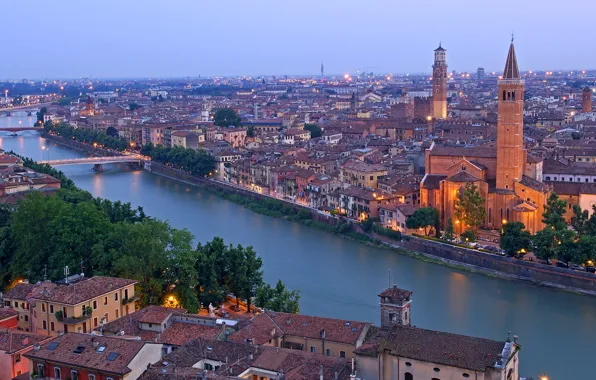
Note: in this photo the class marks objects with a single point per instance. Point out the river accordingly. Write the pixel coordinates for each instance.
(340, 278)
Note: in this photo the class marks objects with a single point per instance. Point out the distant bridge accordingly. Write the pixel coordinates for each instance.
(98, 161)
(20, 129)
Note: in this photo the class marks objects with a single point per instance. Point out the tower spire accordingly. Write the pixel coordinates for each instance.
(511, 70)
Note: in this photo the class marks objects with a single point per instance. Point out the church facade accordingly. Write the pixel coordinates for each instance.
(509, 180)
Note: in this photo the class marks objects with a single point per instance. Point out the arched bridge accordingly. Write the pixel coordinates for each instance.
(94, 160)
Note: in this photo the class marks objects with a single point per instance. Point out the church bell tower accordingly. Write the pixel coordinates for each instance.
(510, 125)
(439, 96)
(395, 307)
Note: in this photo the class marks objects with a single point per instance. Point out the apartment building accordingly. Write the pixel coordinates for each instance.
(77, 305)
(13, 345)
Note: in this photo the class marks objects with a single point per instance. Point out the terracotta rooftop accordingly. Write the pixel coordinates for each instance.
(12, 340)
(511, 70)
(462, 176)
(485, 151)
(77, 292)
(265, 326)
(6, 313)
(432, 181)
(61, 350)
(396, 293)
(20, 291)
(454, 350)
(130, 323)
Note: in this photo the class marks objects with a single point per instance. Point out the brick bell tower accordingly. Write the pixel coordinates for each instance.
(510, 125)
(587, 100)
(439, 105)
(395, 307)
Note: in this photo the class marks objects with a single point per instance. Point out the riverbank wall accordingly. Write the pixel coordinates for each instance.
(469, 259)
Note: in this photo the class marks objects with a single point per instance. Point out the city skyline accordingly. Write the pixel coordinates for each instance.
(148, 39)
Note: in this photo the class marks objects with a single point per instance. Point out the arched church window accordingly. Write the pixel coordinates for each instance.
(408, 376)
(504, 95)
(513, 95)
(490, 215)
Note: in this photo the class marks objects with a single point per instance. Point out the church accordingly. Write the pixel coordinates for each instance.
(508, 178)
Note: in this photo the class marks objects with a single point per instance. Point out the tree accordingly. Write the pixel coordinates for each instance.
(315, 130)
(422, 218)
(469, 206)
(250, 131)
(449, 230)
(543, 243)
(111, 131)
(469, 236)
(278, 298)
(40, 114)
(514, 239)
(554, 211)
(225, 117)
(580, 220)
(133, 106)
(254, 274)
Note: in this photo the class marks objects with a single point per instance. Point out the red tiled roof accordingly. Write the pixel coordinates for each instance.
(12, 340)
(81, 291)
(6, 313)
(129, 324)
(90, 357)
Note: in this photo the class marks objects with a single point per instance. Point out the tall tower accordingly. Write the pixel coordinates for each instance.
(322, 69)
(395, 307)
(510, 125)
(439, 106)
(587, 100)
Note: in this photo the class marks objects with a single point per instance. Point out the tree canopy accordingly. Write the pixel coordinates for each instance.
(469, 206)
(225, 117)
(424, 218)
(315, 130)
(197, 162)
(514, 239)
(88, 136)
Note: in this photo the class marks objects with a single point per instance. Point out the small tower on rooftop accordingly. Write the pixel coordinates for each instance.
(395, 307)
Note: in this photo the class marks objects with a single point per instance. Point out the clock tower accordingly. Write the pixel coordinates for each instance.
(439, 95)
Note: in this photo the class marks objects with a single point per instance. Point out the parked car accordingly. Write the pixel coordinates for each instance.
(591, 269)
(576, 267)
(561, 264)
(544, 262)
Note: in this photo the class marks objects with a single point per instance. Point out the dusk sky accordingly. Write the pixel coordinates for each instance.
(175, 38)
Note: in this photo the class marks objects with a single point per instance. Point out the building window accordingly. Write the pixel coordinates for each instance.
(408, 364)
(17, 358)
(328, 352)
(74, 375)
(94, 305)
(95, 322)
(466, 375)
(115, 296)
(52, 326)
(408, 376)
(313, 349)
(91, 376)
(116, 312)
(43, 307)
(57, 373)
(44, 325)
(105, 300)
(52, 309)
(106, 317)
(41, 370)
(26, 318)
(342, 354)
(436, 369)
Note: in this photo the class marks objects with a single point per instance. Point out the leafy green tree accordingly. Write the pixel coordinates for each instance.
(469, 206)
(469, 236)
(449, 231)
(254, 274)
(580, 220)
(543, 243)
(225, 117)
(514, 238)
(133, 106)
(554, 212)
(315, 130)
(278, 299)
(423, 218)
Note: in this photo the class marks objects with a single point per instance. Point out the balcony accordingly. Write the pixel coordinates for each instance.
(74, 320)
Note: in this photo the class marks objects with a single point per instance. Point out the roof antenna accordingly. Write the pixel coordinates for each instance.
(389, 276)
(512, 37)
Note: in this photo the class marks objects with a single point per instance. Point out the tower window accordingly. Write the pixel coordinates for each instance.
(513, 95)
(504, 95)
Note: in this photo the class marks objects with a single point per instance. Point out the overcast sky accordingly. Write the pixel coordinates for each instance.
(175, 38)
